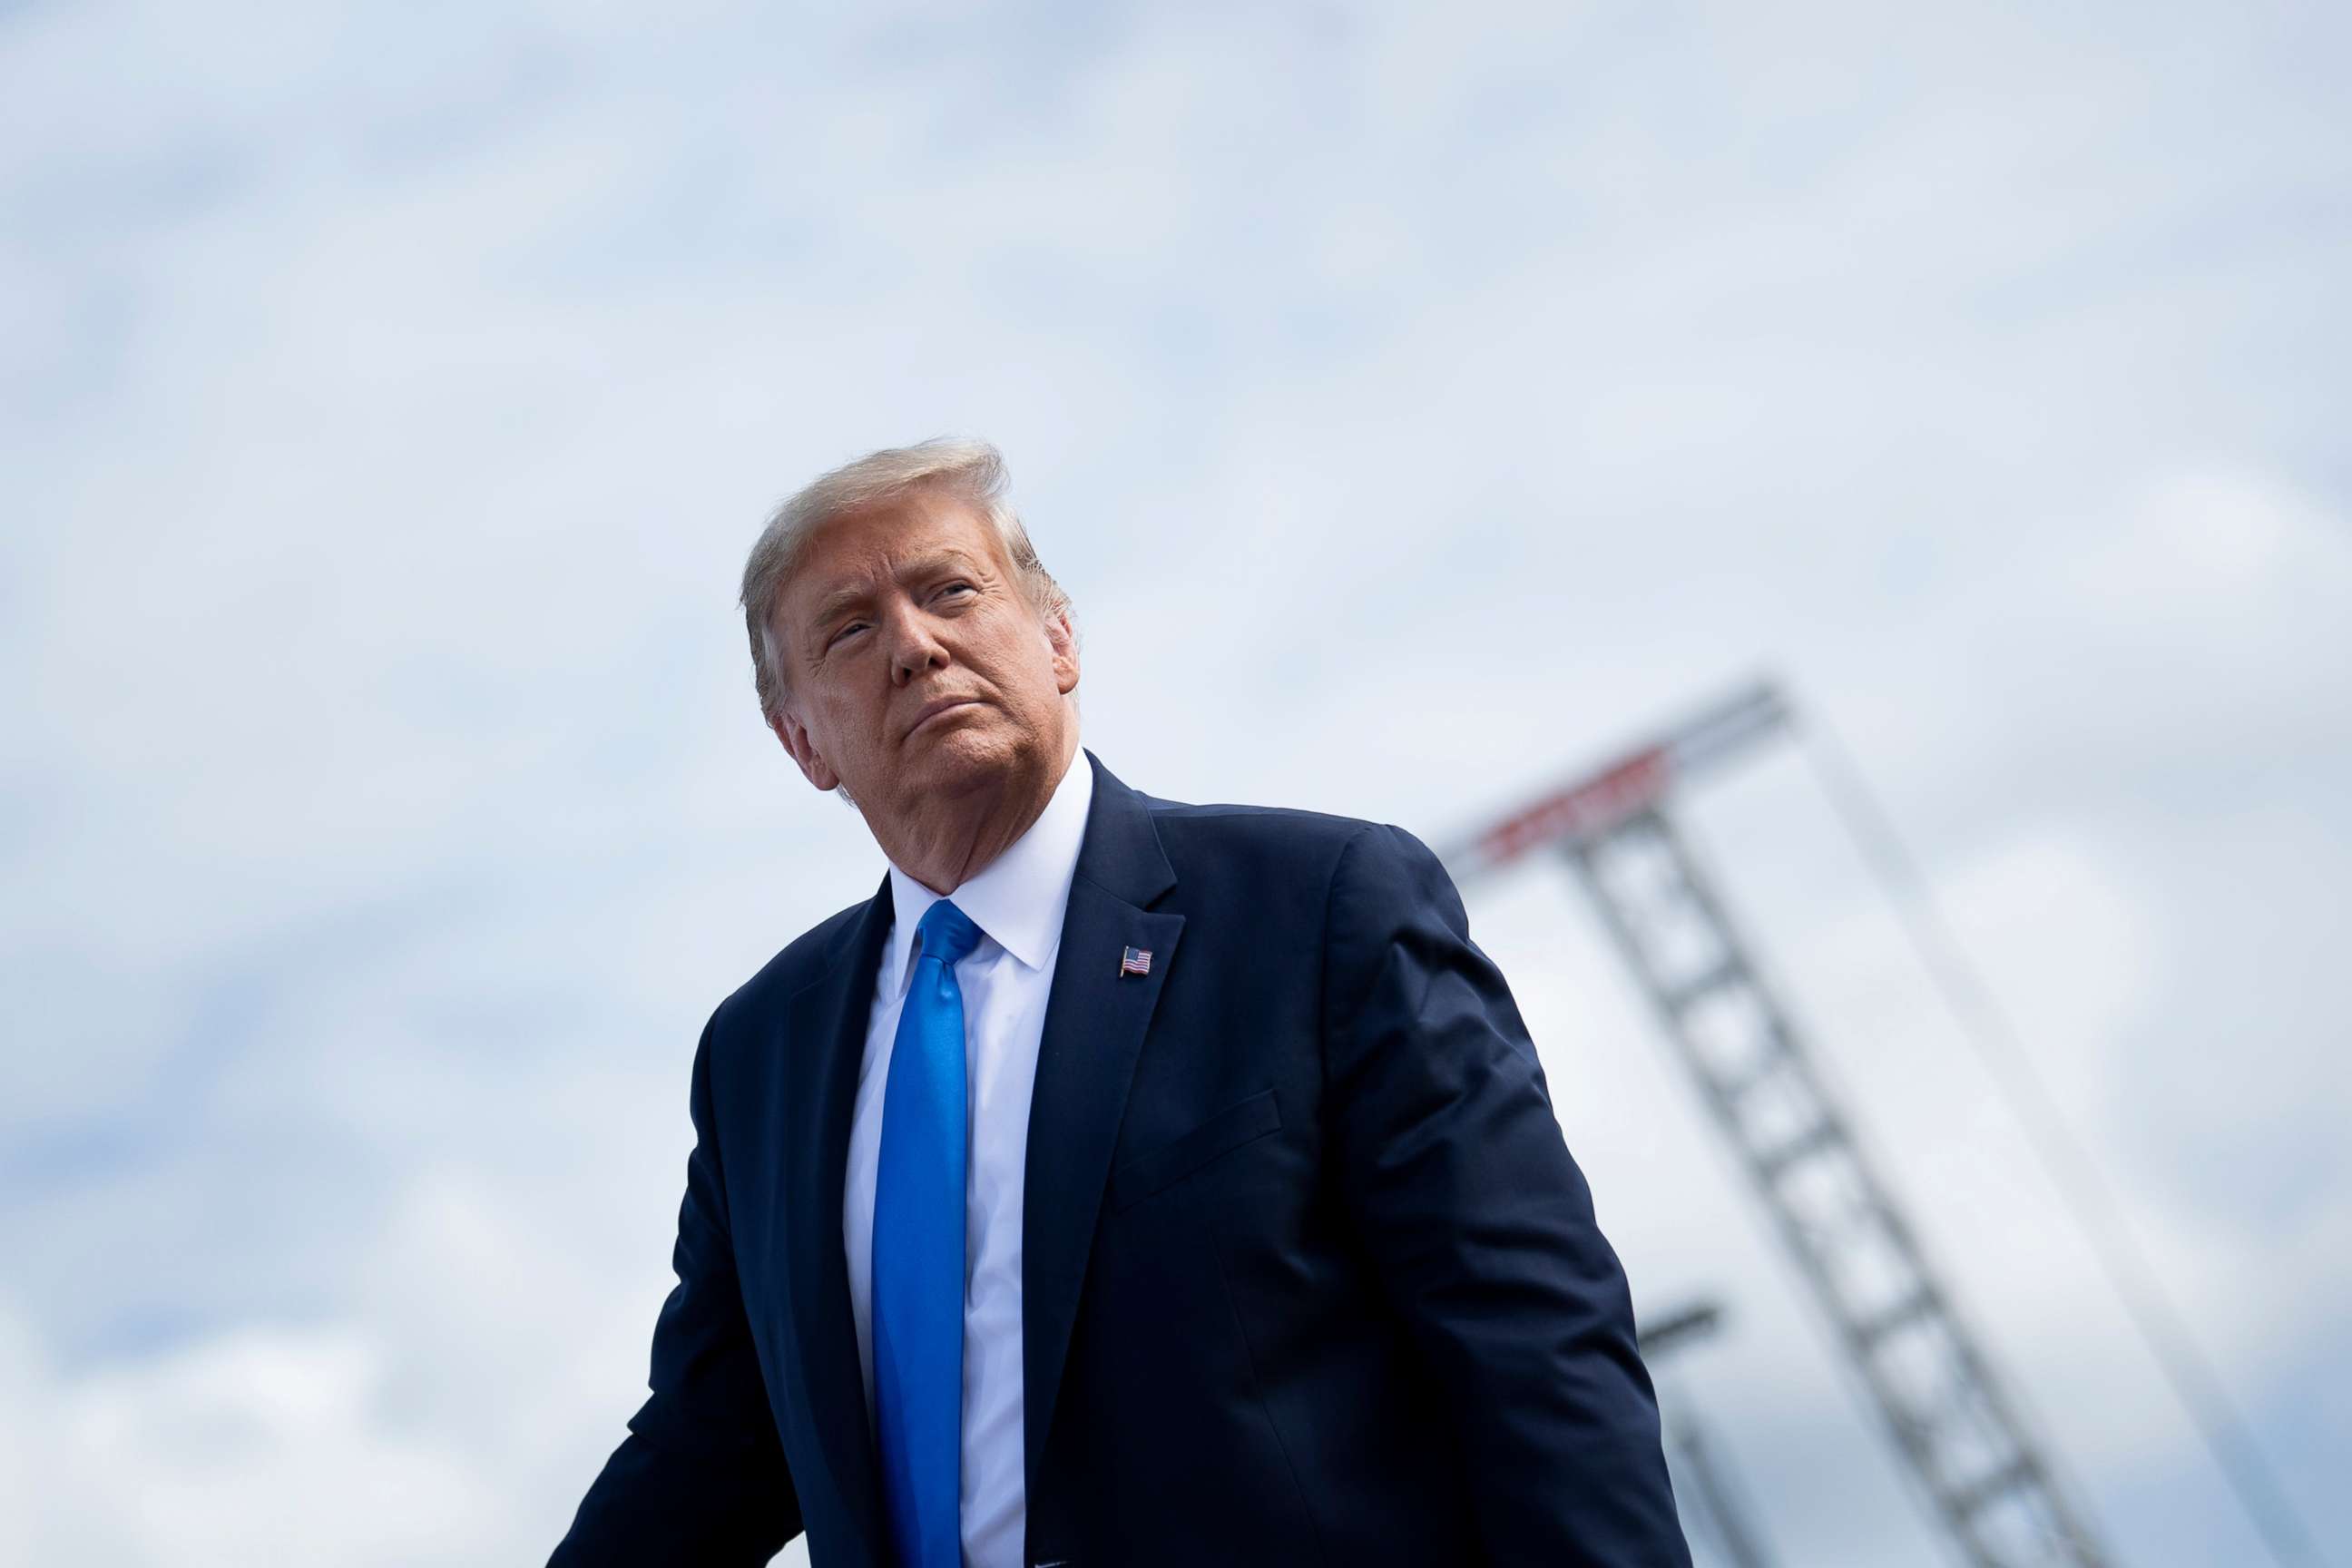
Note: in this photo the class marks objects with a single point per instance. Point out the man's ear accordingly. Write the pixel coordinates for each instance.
(795, 738)
(1064, 638)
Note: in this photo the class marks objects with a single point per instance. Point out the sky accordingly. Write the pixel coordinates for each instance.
(1418, 404)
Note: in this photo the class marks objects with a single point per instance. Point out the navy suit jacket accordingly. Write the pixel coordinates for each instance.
(1308, 1275)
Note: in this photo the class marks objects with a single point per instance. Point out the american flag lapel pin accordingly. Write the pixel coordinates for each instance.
(1134, 960)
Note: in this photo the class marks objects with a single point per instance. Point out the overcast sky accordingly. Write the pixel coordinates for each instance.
(1417, 402)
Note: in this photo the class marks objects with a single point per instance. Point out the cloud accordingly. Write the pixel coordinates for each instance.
(1415, 406)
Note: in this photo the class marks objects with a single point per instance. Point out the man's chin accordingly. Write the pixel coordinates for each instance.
(953, 758)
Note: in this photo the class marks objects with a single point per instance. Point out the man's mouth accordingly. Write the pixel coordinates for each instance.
(935, 708)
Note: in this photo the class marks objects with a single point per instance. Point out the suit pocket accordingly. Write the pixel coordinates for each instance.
(1222, 1133)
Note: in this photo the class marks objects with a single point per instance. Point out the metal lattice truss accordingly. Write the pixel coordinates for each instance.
(1931, 1382)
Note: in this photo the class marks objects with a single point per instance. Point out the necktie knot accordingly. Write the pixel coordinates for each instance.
(947, 933)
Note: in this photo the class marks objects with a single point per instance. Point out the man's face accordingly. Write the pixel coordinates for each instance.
(918, 669)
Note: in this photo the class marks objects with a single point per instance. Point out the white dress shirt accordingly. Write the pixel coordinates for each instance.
(1017, 902)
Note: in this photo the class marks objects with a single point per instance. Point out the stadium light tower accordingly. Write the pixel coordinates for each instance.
(1929, 1376)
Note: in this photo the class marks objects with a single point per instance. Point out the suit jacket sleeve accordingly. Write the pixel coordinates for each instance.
(701, 1475)
(1481, 1227)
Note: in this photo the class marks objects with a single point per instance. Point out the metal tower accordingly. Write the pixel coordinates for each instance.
(1929, 1376)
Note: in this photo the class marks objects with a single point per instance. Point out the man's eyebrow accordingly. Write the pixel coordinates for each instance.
(848, 597)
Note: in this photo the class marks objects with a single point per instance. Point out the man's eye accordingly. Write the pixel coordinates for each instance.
(959, 588)
(834, 640)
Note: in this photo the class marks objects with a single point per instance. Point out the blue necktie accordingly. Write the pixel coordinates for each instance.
(918, 1300)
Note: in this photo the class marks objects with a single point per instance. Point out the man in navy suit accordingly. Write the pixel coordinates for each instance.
(1126, 1181)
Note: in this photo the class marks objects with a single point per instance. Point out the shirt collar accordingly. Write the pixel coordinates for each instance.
(1020, 899)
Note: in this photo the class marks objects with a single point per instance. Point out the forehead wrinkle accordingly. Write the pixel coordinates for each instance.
(933, 562)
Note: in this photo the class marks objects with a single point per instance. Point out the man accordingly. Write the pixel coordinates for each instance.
(1125, 1183)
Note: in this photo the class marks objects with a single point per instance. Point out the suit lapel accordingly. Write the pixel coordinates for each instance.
(1096, 1018)
(824, 1041)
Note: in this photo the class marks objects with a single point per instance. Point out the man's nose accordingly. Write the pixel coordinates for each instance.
(914, 650)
